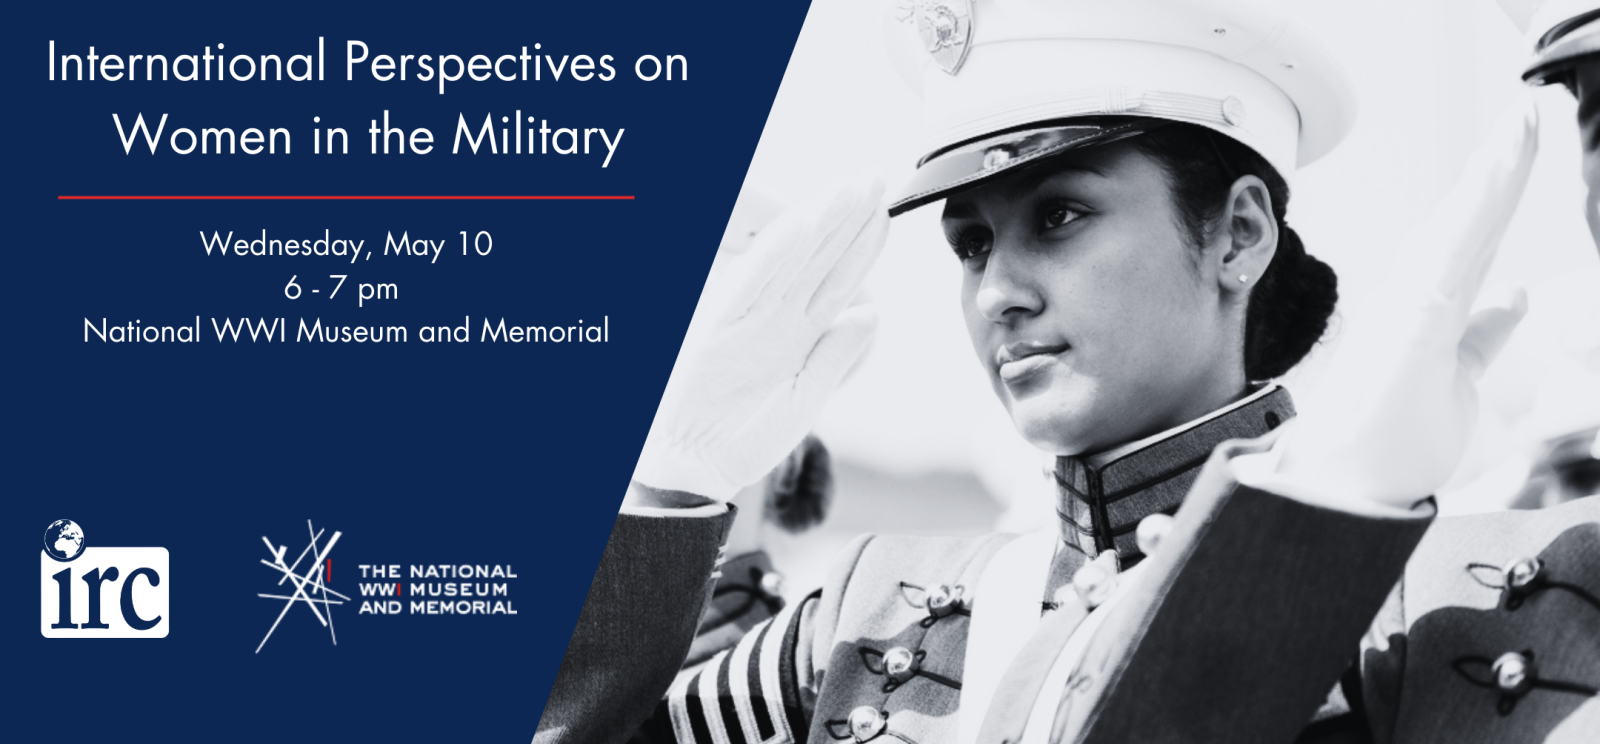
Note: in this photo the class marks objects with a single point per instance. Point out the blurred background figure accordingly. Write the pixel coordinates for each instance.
(1568, 468)
(1544, 387)
(1535, 442)
(1558, 432)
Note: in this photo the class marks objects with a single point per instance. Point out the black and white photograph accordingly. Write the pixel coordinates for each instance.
(1132, 371)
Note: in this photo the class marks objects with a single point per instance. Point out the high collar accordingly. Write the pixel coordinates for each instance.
(1102, 498)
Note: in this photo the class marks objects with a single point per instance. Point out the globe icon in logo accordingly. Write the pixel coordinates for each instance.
(63, 540)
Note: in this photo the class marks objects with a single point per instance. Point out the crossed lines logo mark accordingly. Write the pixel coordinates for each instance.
(309, 587)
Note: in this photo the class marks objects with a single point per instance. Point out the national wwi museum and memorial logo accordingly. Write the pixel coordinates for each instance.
(99, 592)
(310, 587)
(384, 589)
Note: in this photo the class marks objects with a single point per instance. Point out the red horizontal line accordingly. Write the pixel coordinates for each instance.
(343, 198)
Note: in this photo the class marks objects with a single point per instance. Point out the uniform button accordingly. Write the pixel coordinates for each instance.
(866, 722)
(1095, 581)
(1152, 530)
(943, 600)
(772, 584)
(899, 663)
(1233, 111)
(1523, 573)
(1513, 673)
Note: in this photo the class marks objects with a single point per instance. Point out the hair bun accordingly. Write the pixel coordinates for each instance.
(1292, 300)
(1289, 309)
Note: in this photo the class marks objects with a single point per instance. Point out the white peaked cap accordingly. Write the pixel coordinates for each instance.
(990, 71)
(1560, 32)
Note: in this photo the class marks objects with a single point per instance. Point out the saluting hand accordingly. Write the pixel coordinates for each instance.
(771, 339)
(1402, 388)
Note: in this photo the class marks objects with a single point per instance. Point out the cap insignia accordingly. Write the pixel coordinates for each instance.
(997, 157)
(945, 27)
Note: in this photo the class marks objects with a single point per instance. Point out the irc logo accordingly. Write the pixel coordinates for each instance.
(89, 592)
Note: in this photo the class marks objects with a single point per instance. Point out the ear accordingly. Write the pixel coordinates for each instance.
(1248, 238)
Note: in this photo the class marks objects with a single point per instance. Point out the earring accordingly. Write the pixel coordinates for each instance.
(1244, 278)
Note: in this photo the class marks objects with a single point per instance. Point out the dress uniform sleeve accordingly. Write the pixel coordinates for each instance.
(764, 689)
(635, 628)
(1245, 616)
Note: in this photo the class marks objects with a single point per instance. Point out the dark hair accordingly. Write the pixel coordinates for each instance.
(1293, 300)
(802, 487)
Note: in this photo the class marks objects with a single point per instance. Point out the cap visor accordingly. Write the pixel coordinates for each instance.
(971, 164)
(1567, 51)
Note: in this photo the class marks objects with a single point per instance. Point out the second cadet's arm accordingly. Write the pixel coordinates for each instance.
(635, 628)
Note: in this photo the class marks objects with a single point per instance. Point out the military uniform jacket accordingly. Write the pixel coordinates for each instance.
(1253, 620)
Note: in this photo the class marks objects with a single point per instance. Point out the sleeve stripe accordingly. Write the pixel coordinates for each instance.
(678, 708)
(773, 662)
(746, 695)
(696, 720)
(757, 726)
(789, 676)
(715, 706)
(732, 722)
(709, 708)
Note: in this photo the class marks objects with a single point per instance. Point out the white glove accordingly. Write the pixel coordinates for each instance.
(772, 337)
(1402, 397)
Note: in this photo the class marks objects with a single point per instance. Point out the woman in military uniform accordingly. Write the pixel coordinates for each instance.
(1115, 180)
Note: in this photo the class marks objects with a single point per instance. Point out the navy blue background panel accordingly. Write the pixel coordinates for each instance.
(444, 453)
